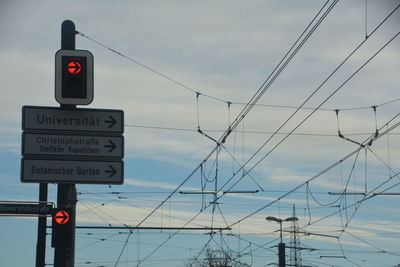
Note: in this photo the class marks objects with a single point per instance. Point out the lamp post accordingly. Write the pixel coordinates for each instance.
(281, 245)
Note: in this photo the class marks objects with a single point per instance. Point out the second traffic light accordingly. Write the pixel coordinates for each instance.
(62, 224)
(74, 77)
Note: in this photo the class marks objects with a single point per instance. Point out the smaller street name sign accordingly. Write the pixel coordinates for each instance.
(36, 118)
(25, 209)
(71, 171)
(34, 144)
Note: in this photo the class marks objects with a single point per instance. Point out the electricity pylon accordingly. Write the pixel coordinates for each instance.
(295, 248)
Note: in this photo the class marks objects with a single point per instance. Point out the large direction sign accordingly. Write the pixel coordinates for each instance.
(79, 119)
(36, 144)
(71, 171)
(72, 145)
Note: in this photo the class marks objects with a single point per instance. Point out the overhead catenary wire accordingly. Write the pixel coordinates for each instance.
(179, 129)
(230, 102)
(369, 107)
(374, 138)
(135, 206)
(307, 117)
(318, 88)
(244, 112)
(180, 84)
(351, 76)
(392, 127)
(279, 68)
(369, 196)
(248, 107)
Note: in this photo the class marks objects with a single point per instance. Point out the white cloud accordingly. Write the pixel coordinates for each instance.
(161, 185)
(225, 50)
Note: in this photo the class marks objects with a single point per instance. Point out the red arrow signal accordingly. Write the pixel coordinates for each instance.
(61, 217)
(74, 67)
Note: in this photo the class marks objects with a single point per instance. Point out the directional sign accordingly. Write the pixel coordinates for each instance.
(72, 145)
(71, 171)
(61, 217)
(78, 120)
(25, 209)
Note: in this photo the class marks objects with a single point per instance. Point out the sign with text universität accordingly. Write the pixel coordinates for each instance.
(79, 119)
(72, 145)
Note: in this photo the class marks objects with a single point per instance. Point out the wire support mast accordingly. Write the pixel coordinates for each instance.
(317, 108)
(319, 174)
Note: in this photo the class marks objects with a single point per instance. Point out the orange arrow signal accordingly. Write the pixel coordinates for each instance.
(74, 67)
(61, 217)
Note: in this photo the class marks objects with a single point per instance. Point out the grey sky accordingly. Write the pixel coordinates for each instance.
(223, 49)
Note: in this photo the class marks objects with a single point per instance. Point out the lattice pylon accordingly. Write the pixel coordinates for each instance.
(295, 248)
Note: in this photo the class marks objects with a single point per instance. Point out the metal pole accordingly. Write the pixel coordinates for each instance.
(42, 225)
(281, 255)
(281, 249)
(64, 254)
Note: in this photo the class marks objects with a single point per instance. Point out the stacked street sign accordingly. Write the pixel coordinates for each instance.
(61, 145)
(24, 208)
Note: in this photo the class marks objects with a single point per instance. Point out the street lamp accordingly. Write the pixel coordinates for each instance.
(281, 245)
(274, 219)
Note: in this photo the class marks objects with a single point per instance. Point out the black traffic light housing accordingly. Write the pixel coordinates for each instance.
(62, 224)
(74, 77)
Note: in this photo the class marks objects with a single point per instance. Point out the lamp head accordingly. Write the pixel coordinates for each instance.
(291, 219)
(274, 219)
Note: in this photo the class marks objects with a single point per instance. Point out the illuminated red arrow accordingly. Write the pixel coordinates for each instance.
(74, 67)
(61, 217)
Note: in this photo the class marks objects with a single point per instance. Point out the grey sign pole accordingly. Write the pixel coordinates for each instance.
(42, 225)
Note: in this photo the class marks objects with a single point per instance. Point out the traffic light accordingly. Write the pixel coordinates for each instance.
(74, 77)
(62, 220)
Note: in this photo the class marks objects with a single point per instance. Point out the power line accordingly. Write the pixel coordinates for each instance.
(318, 88)
(276, 72)
(321, 109)
(180, 129)
(180, 84)
(198, 93)
(151, 69)
(292, 133)
(245, 111)
(369, 196)
(250, 105)
(307, 117)
(153, 228)
(373, 138)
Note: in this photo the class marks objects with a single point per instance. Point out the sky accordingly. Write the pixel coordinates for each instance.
(177, 67)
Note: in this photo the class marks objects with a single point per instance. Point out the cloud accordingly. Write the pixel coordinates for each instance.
(160, 185)
(224, 50)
